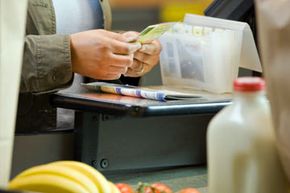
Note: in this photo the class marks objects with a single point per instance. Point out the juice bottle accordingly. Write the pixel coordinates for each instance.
(241, 146)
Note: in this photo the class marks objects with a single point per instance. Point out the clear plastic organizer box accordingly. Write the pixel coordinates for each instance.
(206, 53)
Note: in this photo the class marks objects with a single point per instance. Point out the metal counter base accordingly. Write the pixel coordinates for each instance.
(116, 144)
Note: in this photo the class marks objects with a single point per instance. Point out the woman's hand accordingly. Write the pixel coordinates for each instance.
(101, 54)
(145, 58)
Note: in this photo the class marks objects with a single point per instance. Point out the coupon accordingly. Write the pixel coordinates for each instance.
(153, 32)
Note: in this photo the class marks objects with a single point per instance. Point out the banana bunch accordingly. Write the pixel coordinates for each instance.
(63, 177)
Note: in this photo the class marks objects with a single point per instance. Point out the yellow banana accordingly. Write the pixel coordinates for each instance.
(61, 171)
(95, 176)
(46, 183)
(114, 188)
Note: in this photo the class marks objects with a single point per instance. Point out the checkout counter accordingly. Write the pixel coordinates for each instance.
(126, 137)
(117, 134)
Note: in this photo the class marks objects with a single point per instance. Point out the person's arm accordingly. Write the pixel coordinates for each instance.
(46, 63)
(50, 60)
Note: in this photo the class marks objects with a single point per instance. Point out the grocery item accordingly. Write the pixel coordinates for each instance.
(124, 188)
(62, 177)
(273, 21)
(47, 183)
(188, 190)
(12, 30)
(98, 178)
(114, 188)
(241, 145)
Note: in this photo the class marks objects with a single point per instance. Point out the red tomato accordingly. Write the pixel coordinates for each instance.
(158, 188)
(124, 188)
(188, 190)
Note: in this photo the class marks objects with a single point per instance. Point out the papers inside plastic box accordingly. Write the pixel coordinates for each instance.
(205, 53)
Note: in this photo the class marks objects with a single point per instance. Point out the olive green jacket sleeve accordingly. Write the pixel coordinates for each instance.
(46, 63)
(47, 58)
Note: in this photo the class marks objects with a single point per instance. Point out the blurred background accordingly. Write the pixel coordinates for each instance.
(138, 14)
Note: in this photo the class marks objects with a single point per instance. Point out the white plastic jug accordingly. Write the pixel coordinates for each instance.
(241, 145)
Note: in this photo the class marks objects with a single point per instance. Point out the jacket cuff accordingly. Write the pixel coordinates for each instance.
(46, 63)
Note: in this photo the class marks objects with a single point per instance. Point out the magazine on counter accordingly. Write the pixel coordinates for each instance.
(141, 92)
